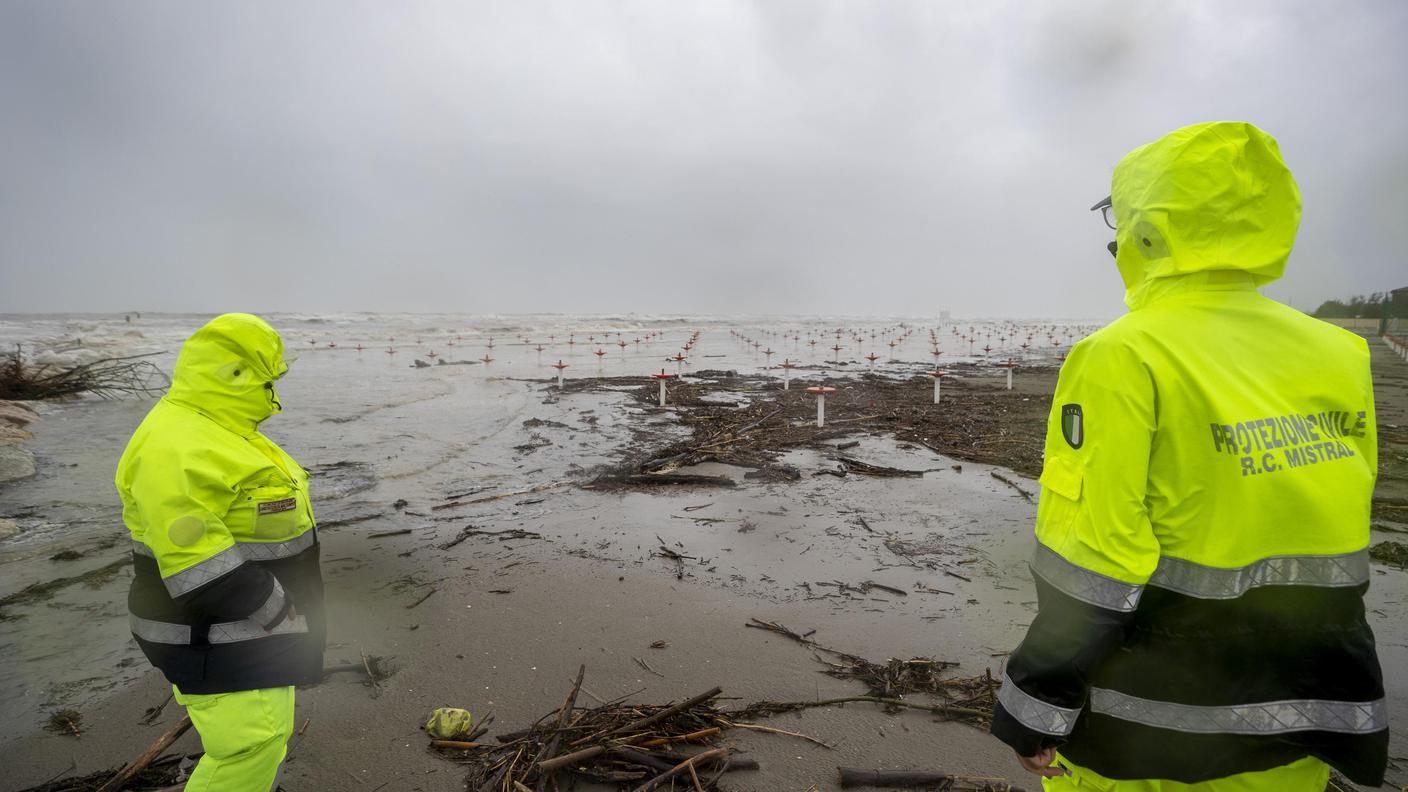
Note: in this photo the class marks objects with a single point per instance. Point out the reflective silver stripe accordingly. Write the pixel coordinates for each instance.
(1270, 717)
(1200, 580)
(1034, 713)
(226, 632)
(269, 551)
(192, 578)
(1208, 582)
(271, 607)
(255, 551)
(159, 632)
(1083, 584)
(247, 630)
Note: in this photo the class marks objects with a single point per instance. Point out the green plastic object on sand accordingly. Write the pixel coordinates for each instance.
(449, 723)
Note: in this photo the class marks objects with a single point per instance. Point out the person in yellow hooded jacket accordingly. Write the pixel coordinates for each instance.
(227, 595)
(1203, 525)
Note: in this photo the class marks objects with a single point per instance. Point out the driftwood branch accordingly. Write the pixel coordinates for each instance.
(854, 777)
(639, 725)
(147, 757)
(685, 766)
(562, 715)
(1009, 482)
(109, 378)
(500, 496)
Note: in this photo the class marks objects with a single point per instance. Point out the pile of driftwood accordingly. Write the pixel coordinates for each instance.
(648, 747)
(110, 378)
(633, 746)
(976, 421)
(969, 699)
(150, 770)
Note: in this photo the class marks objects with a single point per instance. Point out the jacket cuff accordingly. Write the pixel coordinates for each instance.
(1025, 741)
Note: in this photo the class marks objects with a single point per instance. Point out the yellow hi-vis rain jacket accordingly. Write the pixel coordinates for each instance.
(1204, 516)
(223, 535)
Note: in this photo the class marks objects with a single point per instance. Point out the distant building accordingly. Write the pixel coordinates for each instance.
(943, 317)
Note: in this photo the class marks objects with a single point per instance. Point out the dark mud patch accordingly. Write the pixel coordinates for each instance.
(977, 421)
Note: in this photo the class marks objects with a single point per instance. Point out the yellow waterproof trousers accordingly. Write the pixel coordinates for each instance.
(1304, 775)
(245, 736)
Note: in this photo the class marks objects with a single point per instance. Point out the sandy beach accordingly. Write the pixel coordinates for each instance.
(482, 539)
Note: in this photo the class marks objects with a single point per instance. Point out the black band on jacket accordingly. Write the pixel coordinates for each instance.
(234, 633)
(1195, 689)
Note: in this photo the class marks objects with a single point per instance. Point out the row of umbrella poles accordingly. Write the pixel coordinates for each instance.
(893, 337)
(819, 391)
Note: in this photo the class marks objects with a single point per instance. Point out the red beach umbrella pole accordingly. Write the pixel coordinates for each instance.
(663, 377)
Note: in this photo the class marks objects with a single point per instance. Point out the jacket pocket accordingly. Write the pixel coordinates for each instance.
(1062, 484)
(275, 512)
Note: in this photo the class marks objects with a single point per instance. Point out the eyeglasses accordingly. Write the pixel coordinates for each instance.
(1107, 211)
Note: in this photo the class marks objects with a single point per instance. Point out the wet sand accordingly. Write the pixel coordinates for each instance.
(509, 621)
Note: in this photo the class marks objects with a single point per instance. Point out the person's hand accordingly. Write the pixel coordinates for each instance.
(1041, 763)
(292, 612)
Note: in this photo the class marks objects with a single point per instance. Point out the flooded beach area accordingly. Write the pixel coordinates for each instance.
(486, 532)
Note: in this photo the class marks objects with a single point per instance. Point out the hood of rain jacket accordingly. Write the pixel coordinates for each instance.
(227, 370)
(1207, 198)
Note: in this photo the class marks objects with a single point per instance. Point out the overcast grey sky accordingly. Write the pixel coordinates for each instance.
(713, 156)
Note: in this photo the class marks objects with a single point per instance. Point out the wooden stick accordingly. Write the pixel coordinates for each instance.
(487, 498)
(686, 765)
(664, 714)
(155, 712)
(367, 664)
(422, 599)
(505, 774)
(635, 726)
(657, 763)
(591, 752)
(697, 735)
(854, 777)
(562, 715)
(1009, 482)
(153, 751)
(771, 730)
(937, 709)
(732, 762)
(566, 759)
(456, 744)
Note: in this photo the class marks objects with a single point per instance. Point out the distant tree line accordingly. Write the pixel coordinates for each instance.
(1357, 307)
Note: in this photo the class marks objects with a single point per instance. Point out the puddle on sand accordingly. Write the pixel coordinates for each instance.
(949, 548)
